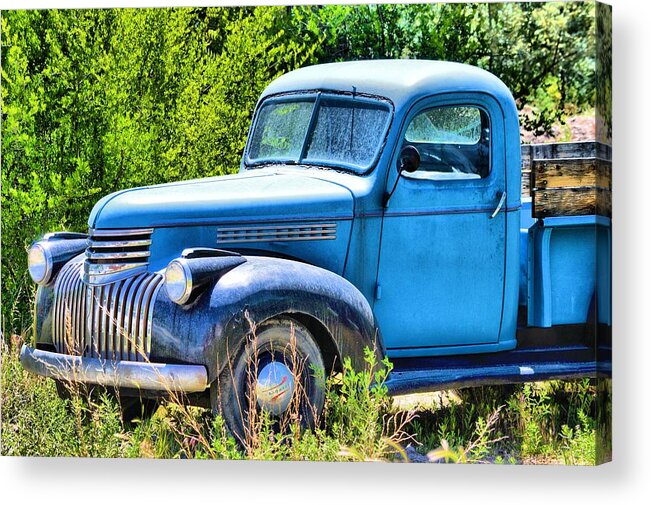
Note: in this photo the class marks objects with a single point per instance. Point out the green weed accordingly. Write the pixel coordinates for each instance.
(36, 421)
(551, 422)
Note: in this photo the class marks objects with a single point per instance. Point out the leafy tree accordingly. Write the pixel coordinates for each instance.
(603, 81)
(544, 52)
(98, 100)
(51, 130)
(94, 101)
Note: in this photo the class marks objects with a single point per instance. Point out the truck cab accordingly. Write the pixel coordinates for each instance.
(434, 262)
(378, 205)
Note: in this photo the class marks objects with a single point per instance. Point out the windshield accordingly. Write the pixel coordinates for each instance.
(325, 130)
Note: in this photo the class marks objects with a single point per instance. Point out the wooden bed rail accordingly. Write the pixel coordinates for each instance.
(567, 179)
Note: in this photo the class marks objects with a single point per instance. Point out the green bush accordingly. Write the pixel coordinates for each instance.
(551, 422)
(357, 423)
(94, 101)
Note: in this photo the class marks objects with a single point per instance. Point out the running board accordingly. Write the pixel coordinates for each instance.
(532, 365)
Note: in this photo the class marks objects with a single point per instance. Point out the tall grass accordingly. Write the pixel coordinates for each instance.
(357, 423)
(544, 422)
(551, 422)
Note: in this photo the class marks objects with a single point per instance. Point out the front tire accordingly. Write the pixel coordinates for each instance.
(278, 370)
(131, 407)
(137, 408)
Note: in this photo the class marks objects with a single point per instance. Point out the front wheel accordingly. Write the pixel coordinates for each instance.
(276, 376)
(131, 407)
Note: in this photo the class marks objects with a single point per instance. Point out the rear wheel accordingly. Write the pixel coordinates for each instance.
(278, 371)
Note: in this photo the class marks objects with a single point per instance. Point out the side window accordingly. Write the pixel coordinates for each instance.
(453, 142)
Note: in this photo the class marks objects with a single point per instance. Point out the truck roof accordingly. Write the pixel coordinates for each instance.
(401, 81)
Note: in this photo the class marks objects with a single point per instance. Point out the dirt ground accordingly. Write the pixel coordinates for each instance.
(576, 129)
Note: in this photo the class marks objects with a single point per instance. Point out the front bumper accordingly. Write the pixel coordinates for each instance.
(118, 374)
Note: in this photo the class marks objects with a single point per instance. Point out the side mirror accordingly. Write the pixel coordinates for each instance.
(409, 160)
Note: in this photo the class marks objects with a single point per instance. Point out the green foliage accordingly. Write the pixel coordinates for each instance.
(551, 422)
(357, 423)
(465, 425)
(94, 101)
(358, 402)
(556, 417)
(358, 412)
(36, 422)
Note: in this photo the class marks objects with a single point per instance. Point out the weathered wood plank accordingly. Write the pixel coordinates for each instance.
(526, 183)
(586, 149)
(525, 156)
(571, 172)
(567, 178)
(604, 202)
(571, 202)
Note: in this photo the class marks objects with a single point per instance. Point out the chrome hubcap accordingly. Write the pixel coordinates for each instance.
(274, 387)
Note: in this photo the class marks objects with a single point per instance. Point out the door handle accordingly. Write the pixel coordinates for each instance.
(499, 205)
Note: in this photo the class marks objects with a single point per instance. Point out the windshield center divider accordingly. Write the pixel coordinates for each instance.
(310, 127)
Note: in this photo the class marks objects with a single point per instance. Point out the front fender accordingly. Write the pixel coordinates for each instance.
(211, 330)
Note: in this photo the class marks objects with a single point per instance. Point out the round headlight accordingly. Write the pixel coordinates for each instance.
(39, 262)
(178, 281)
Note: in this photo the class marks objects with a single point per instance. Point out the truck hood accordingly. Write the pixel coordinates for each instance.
(261, 195)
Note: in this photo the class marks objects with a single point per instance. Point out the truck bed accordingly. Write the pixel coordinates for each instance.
(564, 269)
(565, 233)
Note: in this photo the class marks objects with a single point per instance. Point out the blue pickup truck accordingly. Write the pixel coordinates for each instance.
(379, 205)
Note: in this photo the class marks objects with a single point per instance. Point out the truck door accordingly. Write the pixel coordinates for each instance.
(442, 254)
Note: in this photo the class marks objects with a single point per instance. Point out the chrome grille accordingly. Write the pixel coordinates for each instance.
(319, 231)
(110, 321)
(116, 254)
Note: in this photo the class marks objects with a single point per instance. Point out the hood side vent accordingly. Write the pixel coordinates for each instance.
(280, 233)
